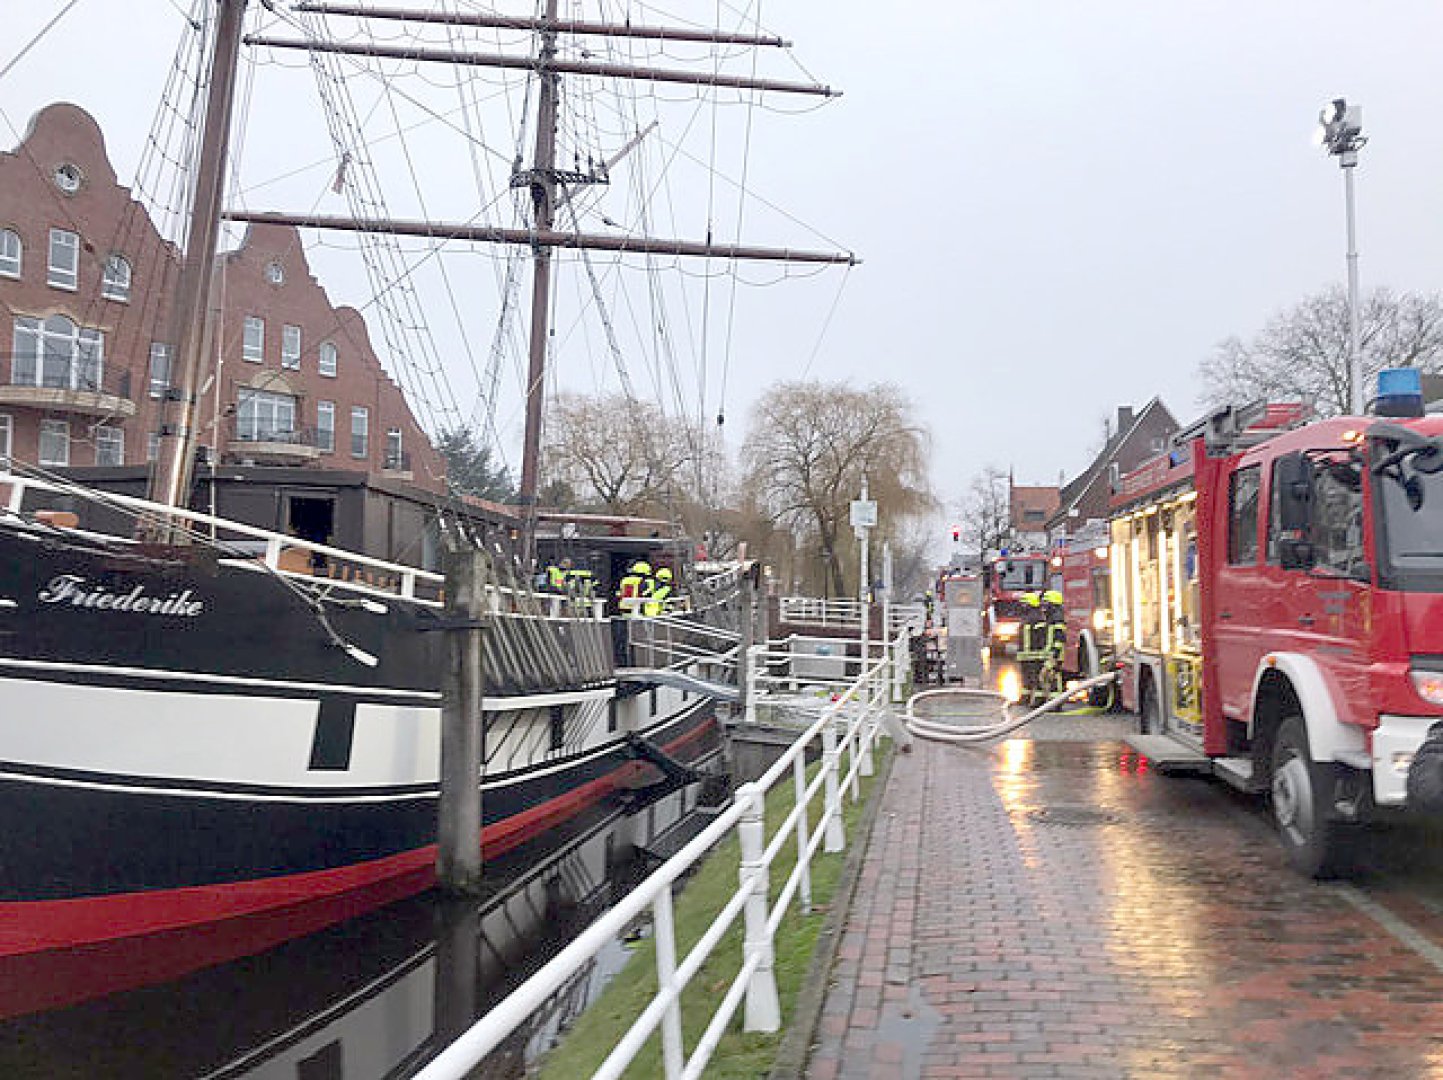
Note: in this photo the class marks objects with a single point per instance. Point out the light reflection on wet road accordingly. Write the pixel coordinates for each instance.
(1068, 912)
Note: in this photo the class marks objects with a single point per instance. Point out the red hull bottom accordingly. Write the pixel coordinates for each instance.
(60, 952)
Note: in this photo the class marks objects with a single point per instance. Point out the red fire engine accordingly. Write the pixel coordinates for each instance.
(1085, 568)
(1005, 578)
(1278, 603)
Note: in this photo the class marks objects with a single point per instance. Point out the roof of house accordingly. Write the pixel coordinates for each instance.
(1072, 492)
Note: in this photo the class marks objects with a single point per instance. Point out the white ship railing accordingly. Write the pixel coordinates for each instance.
(287, 555)
(846, 726)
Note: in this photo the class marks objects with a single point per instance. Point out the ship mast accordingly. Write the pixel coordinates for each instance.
(543, 179)
(170, 480)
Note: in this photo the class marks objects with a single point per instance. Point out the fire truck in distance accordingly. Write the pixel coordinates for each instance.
(1005, 577)
(1277, 591)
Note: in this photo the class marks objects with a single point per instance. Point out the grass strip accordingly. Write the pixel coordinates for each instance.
(739, 1054)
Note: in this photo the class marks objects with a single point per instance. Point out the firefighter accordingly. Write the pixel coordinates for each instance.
(633, 588)
(580, 584)
(1031, 642)
(555, 578)
(660, 596)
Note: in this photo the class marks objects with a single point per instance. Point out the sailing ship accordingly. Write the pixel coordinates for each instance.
(216, 736)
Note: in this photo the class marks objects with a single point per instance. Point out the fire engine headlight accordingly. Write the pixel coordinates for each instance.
(1429, 685)
(1099, 619)
(1008, 628)
(1009, 685)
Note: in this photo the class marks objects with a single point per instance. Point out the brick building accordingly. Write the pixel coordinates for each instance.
(296, 412)
(84, 281)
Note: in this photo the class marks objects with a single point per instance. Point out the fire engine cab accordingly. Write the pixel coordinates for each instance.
(1277, 597)
(1085, 569)
(1005, 577)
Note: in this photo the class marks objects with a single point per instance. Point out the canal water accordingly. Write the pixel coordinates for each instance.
(381, 995)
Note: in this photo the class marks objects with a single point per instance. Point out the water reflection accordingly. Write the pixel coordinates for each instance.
(380, 995)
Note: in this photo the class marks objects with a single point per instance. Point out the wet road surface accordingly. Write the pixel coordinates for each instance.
(1049, 906)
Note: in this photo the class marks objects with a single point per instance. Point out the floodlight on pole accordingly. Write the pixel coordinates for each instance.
(1340, 131)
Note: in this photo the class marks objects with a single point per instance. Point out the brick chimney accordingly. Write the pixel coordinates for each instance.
(1124, 419)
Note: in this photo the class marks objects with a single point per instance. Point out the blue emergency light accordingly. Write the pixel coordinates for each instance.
(1400, 392)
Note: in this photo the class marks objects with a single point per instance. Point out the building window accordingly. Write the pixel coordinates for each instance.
(64, 267)
(264, 416)
(159, 368)
(275, 273)
(152, 446)
(109, 445)
(290, 347)
(327, 365)
(7, 434)
(57, 353)
(54, 442)
(115, 282)
(68, 178)
(326, 426)
(395, 459)
(253, 342)
(360, 431)
(10, 253)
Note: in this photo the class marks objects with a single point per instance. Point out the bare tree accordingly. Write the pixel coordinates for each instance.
(807, 451)
(1302, 352)
(623, 456)
(985, 513)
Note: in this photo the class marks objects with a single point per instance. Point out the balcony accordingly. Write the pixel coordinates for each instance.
(271, 446)
(397, 464)
(74, 391)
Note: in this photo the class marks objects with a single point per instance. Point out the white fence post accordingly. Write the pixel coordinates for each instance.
(673, 1052)
(804, 883)
(831, 767)
(763, 1009)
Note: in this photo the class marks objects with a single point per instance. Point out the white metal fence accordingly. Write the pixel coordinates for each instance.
(846, 728)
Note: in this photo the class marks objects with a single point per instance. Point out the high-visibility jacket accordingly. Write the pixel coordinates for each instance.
(629, 594)
(655, 603)
(555, 579)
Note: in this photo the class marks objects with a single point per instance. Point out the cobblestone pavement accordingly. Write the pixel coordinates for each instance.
(1051, 907)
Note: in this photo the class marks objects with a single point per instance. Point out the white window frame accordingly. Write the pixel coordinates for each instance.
(291, 347)
(7, 435)
(159, 369)
(54, 428)
(360, 431)
(57, 352)
(63, 267)
(112, 438)
(328, 359)
(394, 455)
(265, 416)
(326, 427)
(115, 280)
(12, 253)
(152, 446)
(253, 339)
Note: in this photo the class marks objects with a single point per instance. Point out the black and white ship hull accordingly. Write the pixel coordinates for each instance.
(192, 743)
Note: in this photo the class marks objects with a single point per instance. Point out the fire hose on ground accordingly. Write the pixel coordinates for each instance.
(926, 728)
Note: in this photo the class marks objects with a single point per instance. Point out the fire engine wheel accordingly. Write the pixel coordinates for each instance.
(1301, 802)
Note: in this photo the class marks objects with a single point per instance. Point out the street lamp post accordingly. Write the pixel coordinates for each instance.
(1340, 130)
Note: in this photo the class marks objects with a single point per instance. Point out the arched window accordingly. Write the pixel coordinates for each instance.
(10, 253)
(115, 283)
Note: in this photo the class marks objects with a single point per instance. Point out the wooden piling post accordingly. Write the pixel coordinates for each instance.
(458, 833)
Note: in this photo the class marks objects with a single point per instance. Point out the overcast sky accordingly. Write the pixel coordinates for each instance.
(1061, 207)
